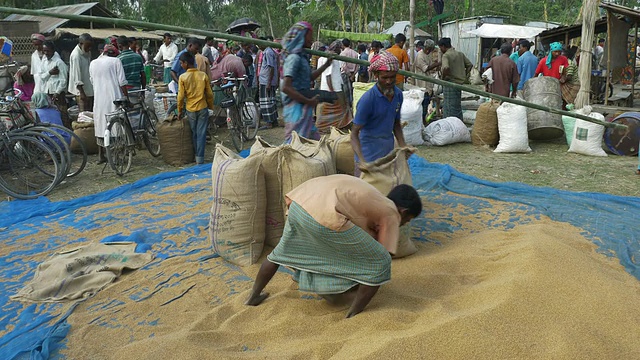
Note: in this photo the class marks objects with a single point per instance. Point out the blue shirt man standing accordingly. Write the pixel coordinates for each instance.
(527, 63)
(377, 120)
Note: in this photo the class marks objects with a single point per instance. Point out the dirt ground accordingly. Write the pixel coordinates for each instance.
(548, 165)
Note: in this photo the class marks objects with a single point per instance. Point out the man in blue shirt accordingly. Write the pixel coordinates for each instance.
(527, 64)
(193, 46)
(377, 118)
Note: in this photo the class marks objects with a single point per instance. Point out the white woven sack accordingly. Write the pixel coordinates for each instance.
(587, 137)
(512, 126)
(447, 131)
(411, 113)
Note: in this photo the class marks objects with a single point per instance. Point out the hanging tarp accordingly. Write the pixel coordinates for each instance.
(506, 31)
(332, 34)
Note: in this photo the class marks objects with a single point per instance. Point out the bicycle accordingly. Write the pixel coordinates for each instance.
(28, 166)
(21, 118)
(241, 123)
(121, 138)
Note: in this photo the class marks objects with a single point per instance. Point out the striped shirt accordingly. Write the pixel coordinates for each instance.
(133, 66)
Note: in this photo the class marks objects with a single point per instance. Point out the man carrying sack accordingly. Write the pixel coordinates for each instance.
(377, 119)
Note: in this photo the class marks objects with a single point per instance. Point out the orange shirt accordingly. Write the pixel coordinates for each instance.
(403, 58)
(339, 202)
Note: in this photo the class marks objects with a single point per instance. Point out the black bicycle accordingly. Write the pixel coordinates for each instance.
(122, 135)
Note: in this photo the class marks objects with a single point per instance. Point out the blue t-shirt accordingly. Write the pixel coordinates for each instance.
(527, 64)
(363, 68)
(269, 60)
(52, 116)
(176, 65)
(377, 116)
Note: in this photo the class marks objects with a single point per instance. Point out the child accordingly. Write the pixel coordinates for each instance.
(194, 94)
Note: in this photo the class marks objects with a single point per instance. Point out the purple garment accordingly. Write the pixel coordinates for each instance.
(52, 116)
(27, 90)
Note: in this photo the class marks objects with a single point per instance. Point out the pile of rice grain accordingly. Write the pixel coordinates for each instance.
(536, 291)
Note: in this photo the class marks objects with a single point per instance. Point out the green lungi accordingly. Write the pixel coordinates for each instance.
(328, 261)
(167, 75)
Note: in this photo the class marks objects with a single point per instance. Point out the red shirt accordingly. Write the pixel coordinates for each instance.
(555, 67)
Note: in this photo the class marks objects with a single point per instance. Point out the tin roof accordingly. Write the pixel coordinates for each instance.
(49, 24)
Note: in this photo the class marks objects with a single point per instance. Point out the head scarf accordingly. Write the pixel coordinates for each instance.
(19, 73)
(40, 100)
(38, 37)
(556, 46)
(384, 61)
(110, 50)
(386, 44)
(336, 45)
(293, 41)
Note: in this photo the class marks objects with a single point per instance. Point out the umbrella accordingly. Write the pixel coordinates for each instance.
(243, 24)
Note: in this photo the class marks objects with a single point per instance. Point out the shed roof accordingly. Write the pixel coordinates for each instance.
(400, 27)
(506, 31)
(574, 31)
(105, 33)
(49, 24)
(622, 10)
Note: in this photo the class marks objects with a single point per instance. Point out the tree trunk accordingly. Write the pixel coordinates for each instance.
(352, 25)
(269, 18)
(384, 6)
(589, 17)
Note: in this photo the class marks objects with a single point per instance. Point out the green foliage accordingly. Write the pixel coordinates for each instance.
(326, 14)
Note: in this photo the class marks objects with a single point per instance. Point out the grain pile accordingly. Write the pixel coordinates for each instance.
(529, 291)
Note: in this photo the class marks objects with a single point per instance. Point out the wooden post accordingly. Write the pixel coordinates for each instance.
(589, 18)
(635, 53)
(412, 34)
(608, 74)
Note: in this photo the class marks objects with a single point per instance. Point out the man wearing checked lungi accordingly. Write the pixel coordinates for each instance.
(338, 237)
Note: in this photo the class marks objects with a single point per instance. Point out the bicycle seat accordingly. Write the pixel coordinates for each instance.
(121, 102)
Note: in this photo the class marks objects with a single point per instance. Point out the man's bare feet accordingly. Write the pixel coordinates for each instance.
(638, 172)
(255, 300)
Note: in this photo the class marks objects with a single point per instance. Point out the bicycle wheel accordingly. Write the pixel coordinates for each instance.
(251, 120)
(236, 130)
(22, 160)
(57, 142)
(150, 135)
(53, 141)
(78, 161)
(119, 153)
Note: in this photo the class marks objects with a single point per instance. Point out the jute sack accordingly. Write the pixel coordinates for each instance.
(385, 174)
(343, 155)
(175, 141)
(86, 133)
(485, 128)
(237, 218)
(274, 214)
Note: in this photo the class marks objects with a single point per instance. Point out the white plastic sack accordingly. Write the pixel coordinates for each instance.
(512, 126)
(411, 113)
(488, 76)
(474, 77)
(587, 137)
(447, 131)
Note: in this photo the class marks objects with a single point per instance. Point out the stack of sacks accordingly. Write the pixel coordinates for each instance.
(237, 219)
(286, 167)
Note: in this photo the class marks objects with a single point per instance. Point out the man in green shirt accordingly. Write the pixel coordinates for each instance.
(132, 64)
(456, 69)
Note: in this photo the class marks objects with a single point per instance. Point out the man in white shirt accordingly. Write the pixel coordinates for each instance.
(107, 74)
(167, 53)
(348, 70)
(338, 114)
(209, 50)
(52, 79)
(79, 79)
(36, 58)
(599, 52)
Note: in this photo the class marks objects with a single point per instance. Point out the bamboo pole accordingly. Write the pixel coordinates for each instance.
(589, 16)
(178, 29)
(608, 70)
